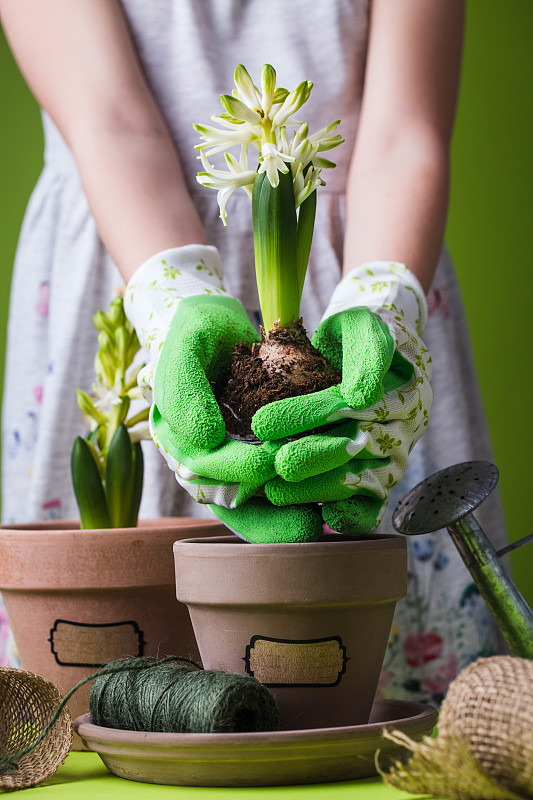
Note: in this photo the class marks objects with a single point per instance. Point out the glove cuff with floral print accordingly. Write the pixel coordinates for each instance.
(387, 286)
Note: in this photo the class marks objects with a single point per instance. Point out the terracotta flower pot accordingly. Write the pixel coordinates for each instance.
(79, 599)
(311, 621)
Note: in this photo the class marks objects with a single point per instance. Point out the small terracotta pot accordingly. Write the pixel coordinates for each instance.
(311, 621)
(77, 599)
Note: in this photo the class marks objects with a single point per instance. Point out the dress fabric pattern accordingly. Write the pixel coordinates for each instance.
(63, 275)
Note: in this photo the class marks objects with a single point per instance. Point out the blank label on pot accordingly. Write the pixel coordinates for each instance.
(290, 662)
(82, 644)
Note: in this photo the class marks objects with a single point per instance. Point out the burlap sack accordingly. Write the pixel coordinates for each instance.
(484, 747)
(27, 703)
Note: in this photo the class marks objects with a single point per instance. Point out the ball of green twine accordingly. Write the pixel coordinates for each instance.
(150, 694)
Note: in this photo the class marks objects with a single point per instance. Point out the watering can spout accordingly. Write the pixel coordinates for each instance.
(447, 500)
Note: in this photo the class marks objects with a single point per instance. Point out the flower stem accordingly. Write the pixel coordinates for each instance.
(275, 245)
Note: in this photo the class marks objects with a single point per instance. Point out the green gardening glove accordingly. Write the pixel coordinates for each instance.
(374, 416)
(186, 422)
(221, 472)
(261, 522)
(189, 326)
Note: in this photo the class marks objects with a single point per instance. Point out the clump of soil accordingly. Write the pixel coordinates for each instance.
(284, 364)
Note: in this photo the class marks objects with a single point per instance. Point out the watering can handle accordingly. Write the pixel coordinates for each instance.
(514, 545)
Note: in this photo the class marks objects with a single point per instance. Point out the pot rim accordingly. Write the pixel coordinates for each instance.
(328, 426)
(328, 541)
(61, 526)
(44, 559)
(226, 571)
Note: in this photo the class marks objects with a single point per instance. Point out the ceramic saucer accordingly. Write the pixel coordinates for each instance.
(319, 755)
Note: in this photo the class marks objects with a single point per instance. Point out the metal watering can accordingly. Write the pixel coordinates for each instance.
(447, 500)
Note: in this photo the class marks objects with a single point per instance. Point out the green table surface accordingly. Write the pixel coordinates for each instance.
(83, 776)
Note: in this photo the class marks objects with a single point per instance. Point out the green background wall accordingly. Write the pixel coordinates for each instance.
(489, 231)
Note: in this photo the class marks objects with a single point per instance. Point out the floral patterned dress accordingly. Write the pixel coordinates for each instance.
(63, 274)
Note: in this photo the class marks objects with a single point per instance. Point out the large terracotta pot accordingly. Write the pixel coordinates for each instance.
(311, 621)
(79, 599)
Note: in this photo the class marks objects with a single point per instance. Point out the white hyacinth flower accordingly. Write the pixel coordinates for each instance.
(292, 103)
(305, 184)
(268, 88)
(217, 140)
(258, 116)
(272, 161)
(245, 89)
(106, 396)
(324, 140)
(238, 176)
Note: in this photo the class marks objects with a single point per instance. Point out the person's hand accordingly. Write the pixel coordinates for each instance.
(186, 421)
(189, 326)
(376, 414)
(188, 429)
(259, 521)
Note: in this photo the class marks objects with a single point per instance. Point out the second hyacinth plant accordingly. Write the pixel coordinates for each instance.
(107, 464)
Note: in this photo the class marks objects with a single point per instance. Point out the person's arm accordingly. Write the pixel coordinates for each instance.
(79, 61)
(398, 183)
